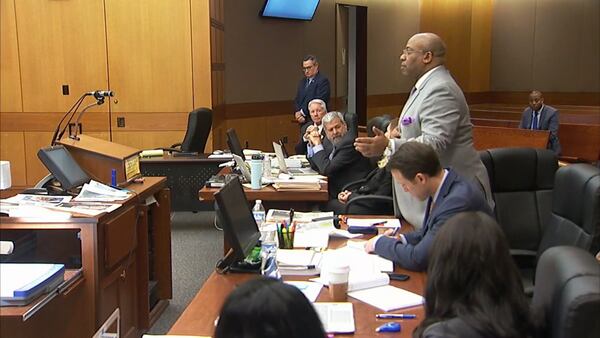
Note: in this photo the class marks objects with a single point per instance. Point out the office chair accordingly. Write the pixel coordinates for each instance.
(566, 297)
(198, 128)
(575, 215)
(522, 180)
(351, 120)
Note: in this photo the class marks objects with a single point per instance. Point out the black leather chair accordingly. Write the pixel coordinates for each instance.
(566, 298)
(351, 120)
(522, 180)
(198, 128)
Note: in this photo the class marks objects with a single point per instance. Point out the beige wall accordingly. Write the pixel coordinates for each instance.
(550, 45)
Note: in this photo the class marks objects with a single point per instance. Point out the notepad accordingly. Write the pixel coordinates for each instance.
(20, 283)
(387, 297)
(336, 317)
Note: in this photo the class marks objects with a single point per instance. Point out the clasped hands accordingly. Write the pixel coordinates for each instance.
(372, 146)
(312, 135)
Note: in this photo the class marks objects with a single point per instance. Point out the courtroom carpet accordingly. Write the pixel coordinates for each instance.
(195, 247)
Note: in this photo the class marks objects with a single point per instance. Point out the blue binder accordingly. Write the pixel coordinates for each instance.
(20, 283)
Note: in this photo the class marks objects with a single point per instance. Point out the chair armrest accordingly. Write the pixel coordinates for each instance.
(353, 184)
(176, 145)
(381, 198)
(524, 258)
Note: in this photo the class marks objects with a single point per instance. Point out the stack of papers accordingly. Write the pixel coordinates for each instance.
(98, 192)
(336, 317)
(391, 223)
(299, 262)
(20, 283)
(37, 206)
(310, 289)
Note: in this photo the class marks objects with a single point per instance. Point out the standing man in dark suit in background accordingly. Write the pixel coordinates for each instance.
(539, 116)
(415, 166)
(314, 85)
(343, 164)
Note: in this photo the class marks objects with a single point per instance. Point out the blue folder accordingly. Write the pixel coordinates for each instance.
(20, 283)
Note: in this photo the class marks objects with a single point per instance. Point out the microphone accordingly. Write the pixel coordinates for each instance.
(101, 94)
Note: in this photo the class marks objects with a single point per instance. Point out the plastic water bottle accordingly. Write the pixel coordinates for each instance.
(259, 213)
(268, 255)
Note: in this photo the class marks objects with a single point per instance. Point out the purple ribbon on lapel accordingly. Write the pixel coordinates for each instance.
(407, 120)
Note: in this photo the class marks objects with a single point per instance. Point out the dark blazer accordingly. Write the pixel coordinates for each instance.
(548, 121)
(345, 166)
(318, 89)
(456, 195)
(377, 182)
(451, 328)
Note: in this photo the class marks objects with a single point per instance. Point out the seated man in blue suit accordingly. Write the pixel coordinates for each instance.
(342, 163)
(313, 85)
(416, 167)
(539, 116)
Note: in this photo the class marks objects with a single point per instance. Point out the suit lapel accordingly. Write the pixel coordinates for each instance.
(444, 191)
(541, 120)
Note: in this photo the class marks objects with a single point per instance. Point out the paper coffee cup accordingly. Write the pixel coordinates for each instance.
(338, 282)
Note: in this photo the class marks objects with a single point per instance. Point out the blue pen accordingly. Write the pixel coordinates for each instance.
(389, 327)
(395, 315)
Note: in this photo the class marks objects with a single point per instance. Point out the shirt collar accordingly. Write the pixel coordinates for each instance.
(424, 77)
(539, 110)
(437, 192)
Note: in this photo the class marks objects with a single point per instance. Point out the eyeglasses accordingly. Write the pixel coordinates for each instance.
(305, 69)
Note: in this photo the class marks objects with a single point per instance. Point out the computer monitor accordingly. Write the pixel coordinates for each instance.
(63, 167)
(233, 142)
(238, 224)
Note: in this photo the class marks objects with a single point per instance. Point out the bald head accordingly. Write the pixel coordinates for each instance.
(423, 52)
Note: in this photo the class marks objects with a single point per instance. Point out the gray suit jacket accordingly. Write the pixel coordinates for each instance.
(548, 121)
(437, 114)
(456, 195)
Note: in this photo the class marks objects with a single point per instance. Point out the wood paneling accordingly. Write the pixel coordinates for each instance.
(151, 121)
(260, 132)
(480, 57)
(34, 141)
(148, 139)
(92, 121)
(10, 77)
(150, 55)
(60, 43)
(201, 53)
(13, 150)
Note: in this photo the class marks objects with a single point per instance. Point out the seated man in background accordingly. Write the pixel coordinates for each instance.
(343, 164)
(317, 109)
(416, 168)
(539, 116)
(377, 182)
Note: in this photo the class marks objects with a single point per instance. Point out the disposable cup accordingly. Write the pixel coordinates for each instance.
(338, 282)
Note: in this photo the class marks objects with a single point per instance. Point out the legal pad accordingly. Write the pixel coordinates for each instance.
(20, 283)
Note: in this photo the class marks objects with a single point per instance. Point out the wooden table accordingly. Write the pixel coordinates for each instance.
(199, 317)
(119, 252)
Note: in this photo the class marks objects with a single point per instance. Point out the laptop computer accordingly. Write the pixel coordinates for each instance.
(283, 167)
(241, 164)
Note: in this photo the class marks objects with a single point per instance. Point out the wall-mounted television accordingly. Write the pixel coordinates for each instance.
(290, 9)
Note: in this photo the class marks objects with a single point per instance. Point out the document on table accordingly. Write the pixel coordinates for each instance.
(299, 262)
(391, 223)
(310, 289)
(336, 317)
(387, 297)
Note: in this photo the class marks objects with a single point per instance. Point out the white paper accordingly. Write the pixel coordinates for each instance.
(343, 234)
(32, 211)
(336, 317)
(40, 200)
(15, 276)
(310, 289)
(298, 257)
(387, 298)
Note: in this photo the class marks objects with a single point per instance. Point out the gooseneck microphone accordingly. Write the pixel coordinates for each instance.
(101, 94)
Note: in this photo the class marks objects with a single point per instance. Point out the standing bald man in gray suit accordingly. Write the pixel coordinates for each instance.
(436, 113)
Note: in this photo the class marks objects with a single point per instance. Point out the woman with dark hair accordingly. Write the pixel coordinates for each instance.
(268, 308)
(473, 285)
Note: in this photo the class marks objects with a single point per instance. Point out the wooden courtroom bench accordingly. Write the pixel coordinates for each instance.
(485, 137)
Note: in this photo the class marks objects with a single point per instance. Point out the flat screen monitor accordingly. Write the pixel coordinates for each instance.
(63, 167)
(287, 9)
(233, 142)
(237, 221)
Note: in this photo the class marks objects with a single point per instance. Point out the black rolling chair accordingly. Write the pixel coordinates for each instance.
(198, 128)
(566, 298)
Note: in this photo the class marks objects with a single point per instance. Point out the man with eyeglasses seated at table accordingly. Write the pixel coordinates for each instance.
(313, 85)
(343, 164)
(416, 168)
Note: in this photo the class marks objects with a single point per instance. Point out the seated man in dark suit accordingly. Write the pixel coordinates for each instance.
(341, 165)
(416, 167)
(539, 116)
(313, 85)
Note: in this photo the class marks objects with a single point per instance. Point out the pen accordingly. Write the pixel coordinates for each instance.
(291, 215)
(378, 223)
(395, 316)
(324, 218)
(389, 327)
(297, 267)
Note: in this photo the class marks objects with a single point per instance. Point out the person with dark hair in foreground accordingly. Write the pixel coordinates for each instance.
(473, 286)
(415, 166)
(268, 308)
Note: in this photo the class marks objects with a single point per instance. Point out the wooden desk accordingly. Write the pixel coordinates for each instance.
(199, 317)
(275, 199)
(185, 176)
(485, 137)
(120, 253)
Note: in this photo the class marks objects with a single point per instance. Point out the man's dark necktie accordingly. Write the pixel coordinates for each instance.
(308, 81)
(534, 123)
